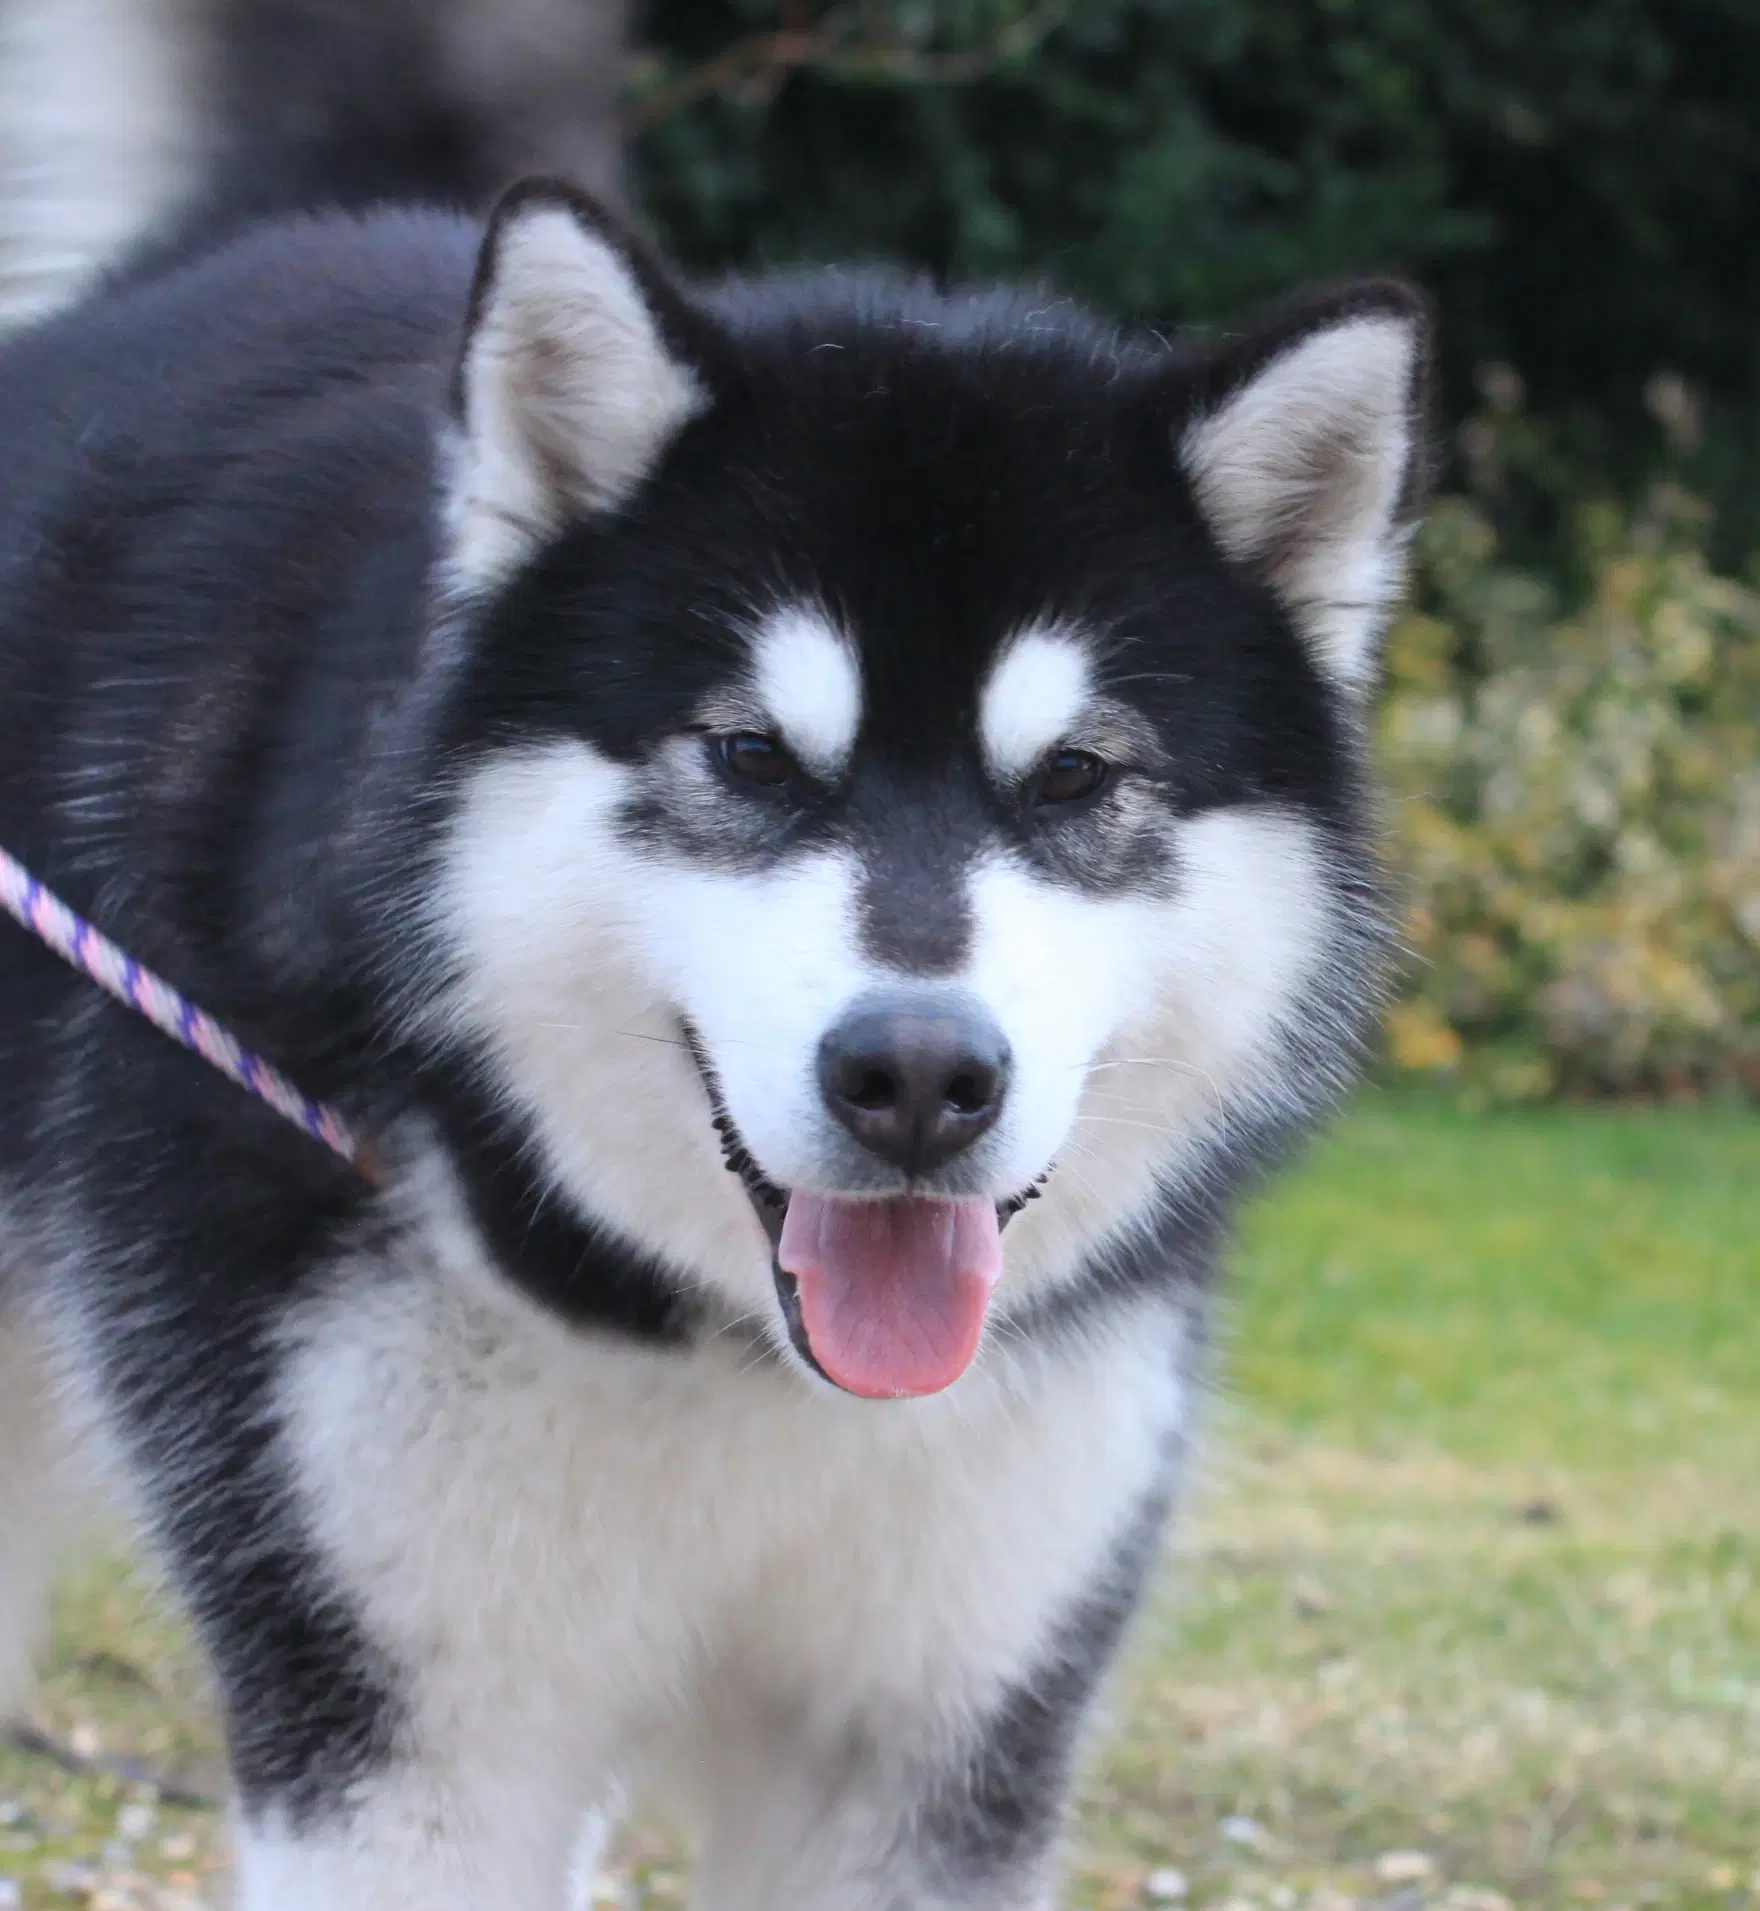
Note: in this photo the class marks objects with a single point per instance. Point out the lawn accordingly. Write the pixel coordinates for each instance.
(1464, 1611)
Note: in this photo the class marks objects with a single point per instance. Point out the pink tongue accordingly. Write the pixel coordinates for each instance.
(893, 1292)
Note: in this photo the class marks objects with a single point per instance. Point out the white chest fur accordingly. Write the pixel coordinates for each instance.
(594, 1546)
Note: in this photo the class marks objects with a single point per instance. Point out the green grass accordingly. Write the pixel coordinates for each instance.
(1577, 1286)
(1470, 1572)
(1475, 1569)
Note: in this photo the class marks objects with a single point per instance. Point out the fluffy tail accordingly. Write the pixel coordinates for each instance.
(171, 123)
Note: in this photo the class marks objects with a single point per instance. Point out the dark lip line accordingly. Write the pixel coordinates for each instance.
(770, 1203)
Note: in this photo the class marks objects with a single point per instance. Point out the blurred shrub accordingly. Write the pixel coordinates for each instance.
(1578, 809)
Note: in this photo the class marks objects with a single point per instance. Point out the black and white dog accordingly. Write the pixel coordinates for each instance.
(735, 792)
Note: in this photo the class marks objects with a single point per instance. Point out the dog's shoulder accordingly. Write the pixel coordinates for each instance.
(235, 336)
(215, 537)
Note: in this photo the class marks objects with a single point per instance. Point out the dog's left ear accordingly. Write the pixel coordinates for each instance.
(575, 374)
(1305, 444)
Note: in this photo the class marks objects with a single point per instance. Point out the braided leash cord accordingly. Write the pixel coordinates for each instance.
(74, 939)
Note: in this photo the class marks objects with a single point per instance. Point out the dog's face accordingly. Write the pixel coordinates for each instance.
(907, 759)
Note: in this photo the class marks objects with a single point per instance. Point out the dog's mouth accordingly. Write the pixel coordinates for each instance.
(884, 1296)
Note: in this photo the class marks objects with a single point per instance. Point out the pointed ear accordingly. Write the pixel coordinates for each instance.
(575, 375)
(1306, 448)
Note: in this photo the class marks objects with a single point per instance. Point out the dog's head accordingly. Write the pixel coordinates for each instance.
(905, 753)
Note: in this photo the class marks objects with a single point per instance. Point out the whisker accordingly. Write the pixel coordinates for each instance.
(665, 1041)
(1143, 1061)
(1168, 1062)
(754, 1318)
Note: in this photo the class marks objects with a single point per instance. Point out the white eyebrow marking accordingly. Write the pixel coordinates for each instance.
(806, 681)
(1040, 685)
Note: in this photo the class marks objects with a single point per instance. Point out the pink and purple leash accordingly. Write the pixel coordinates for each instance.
(74, 939)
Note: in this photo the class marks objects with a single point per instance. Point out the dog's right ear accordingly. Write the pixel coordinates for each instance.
(1305, 443)
(576, 372)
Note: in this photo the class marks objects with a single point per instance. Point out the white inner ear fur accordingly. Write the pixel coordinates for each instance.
(570, 393)
(1300, 474)
(1037, 691)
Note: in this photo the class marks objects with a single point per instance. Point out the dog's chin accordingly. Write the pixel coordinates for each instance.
(771, 1204)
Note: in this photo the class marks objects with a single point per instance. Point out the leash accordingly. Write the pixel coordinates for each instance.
(91, 952)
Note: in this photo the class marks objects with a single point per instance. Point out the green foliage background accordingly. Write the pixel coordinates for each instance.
(1573, 723)
(1578, 182)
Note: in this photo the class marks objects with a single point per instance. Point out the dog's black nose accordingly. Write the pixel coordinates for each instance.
(916, 1084)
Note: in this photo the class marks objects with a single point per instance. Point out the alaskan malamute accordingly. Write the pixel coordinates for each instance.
(817, 828)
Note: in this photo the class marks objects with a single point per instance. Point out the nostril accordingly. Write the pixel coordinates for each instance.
(969, 1092)
(916, 1083)
(873, 1090)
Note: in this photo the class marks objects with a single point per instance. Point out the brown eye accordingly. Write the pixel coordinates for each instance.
(1068, 777)
(755, 759)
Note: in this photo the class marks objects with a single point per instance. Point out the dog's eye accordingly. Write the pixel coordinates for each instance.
(755, 759)
(1068, 777)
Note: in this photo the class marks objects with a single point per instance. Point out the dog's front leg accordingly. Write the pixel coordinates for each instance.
(853, 1829)
(422, 1837)
(402, 1732)
(376, 1772)
(924, 1807)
